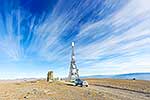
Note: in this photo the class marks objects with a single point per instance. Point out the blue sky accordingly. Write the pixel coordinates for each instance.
(111, 37)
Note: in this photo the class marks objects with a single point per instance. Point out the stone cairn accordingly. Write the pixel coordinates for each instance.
(50, 76)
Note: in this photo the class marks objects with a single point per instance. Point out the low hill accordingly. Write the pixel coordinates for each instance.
(138, 76)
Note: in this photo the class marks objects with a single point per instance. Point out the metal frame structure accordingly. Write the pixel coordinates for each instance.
(73, 73)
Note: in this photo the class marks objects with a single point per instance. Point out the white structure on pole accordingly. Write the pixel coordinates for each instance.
(73, 73)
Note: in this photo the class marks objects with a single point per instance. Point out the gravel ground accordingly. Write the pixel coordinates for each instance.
(41, 90)
(99, 89)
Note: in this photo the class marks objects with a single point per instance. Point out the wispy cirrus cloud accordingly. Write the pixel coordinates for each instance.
(127, 45)
(112, 36)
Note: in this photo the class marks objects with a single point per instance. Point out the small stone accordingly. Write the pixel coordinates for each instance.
(88, 93)
(25, 97)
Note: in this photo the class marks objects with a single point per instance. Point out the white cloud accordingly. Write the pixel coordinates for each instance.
(124, 33)
(131, 42)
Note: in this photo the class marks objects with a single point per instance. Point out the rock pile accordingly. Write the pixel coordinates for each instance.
(50, 76)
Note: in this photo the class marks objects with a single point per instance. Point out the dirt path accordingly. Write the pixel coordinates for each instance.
(112, 93)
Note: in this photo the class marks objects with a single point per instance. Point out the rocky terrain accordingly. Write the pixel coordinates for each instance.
(41, 90)
(99, 89)
(114, 89)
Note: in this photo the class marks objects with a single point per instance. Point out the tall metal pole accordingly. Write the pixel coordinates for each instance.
(73, 73)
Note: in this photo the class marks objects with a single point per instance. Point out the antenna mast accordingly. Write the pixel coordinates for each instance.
(73, 73)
